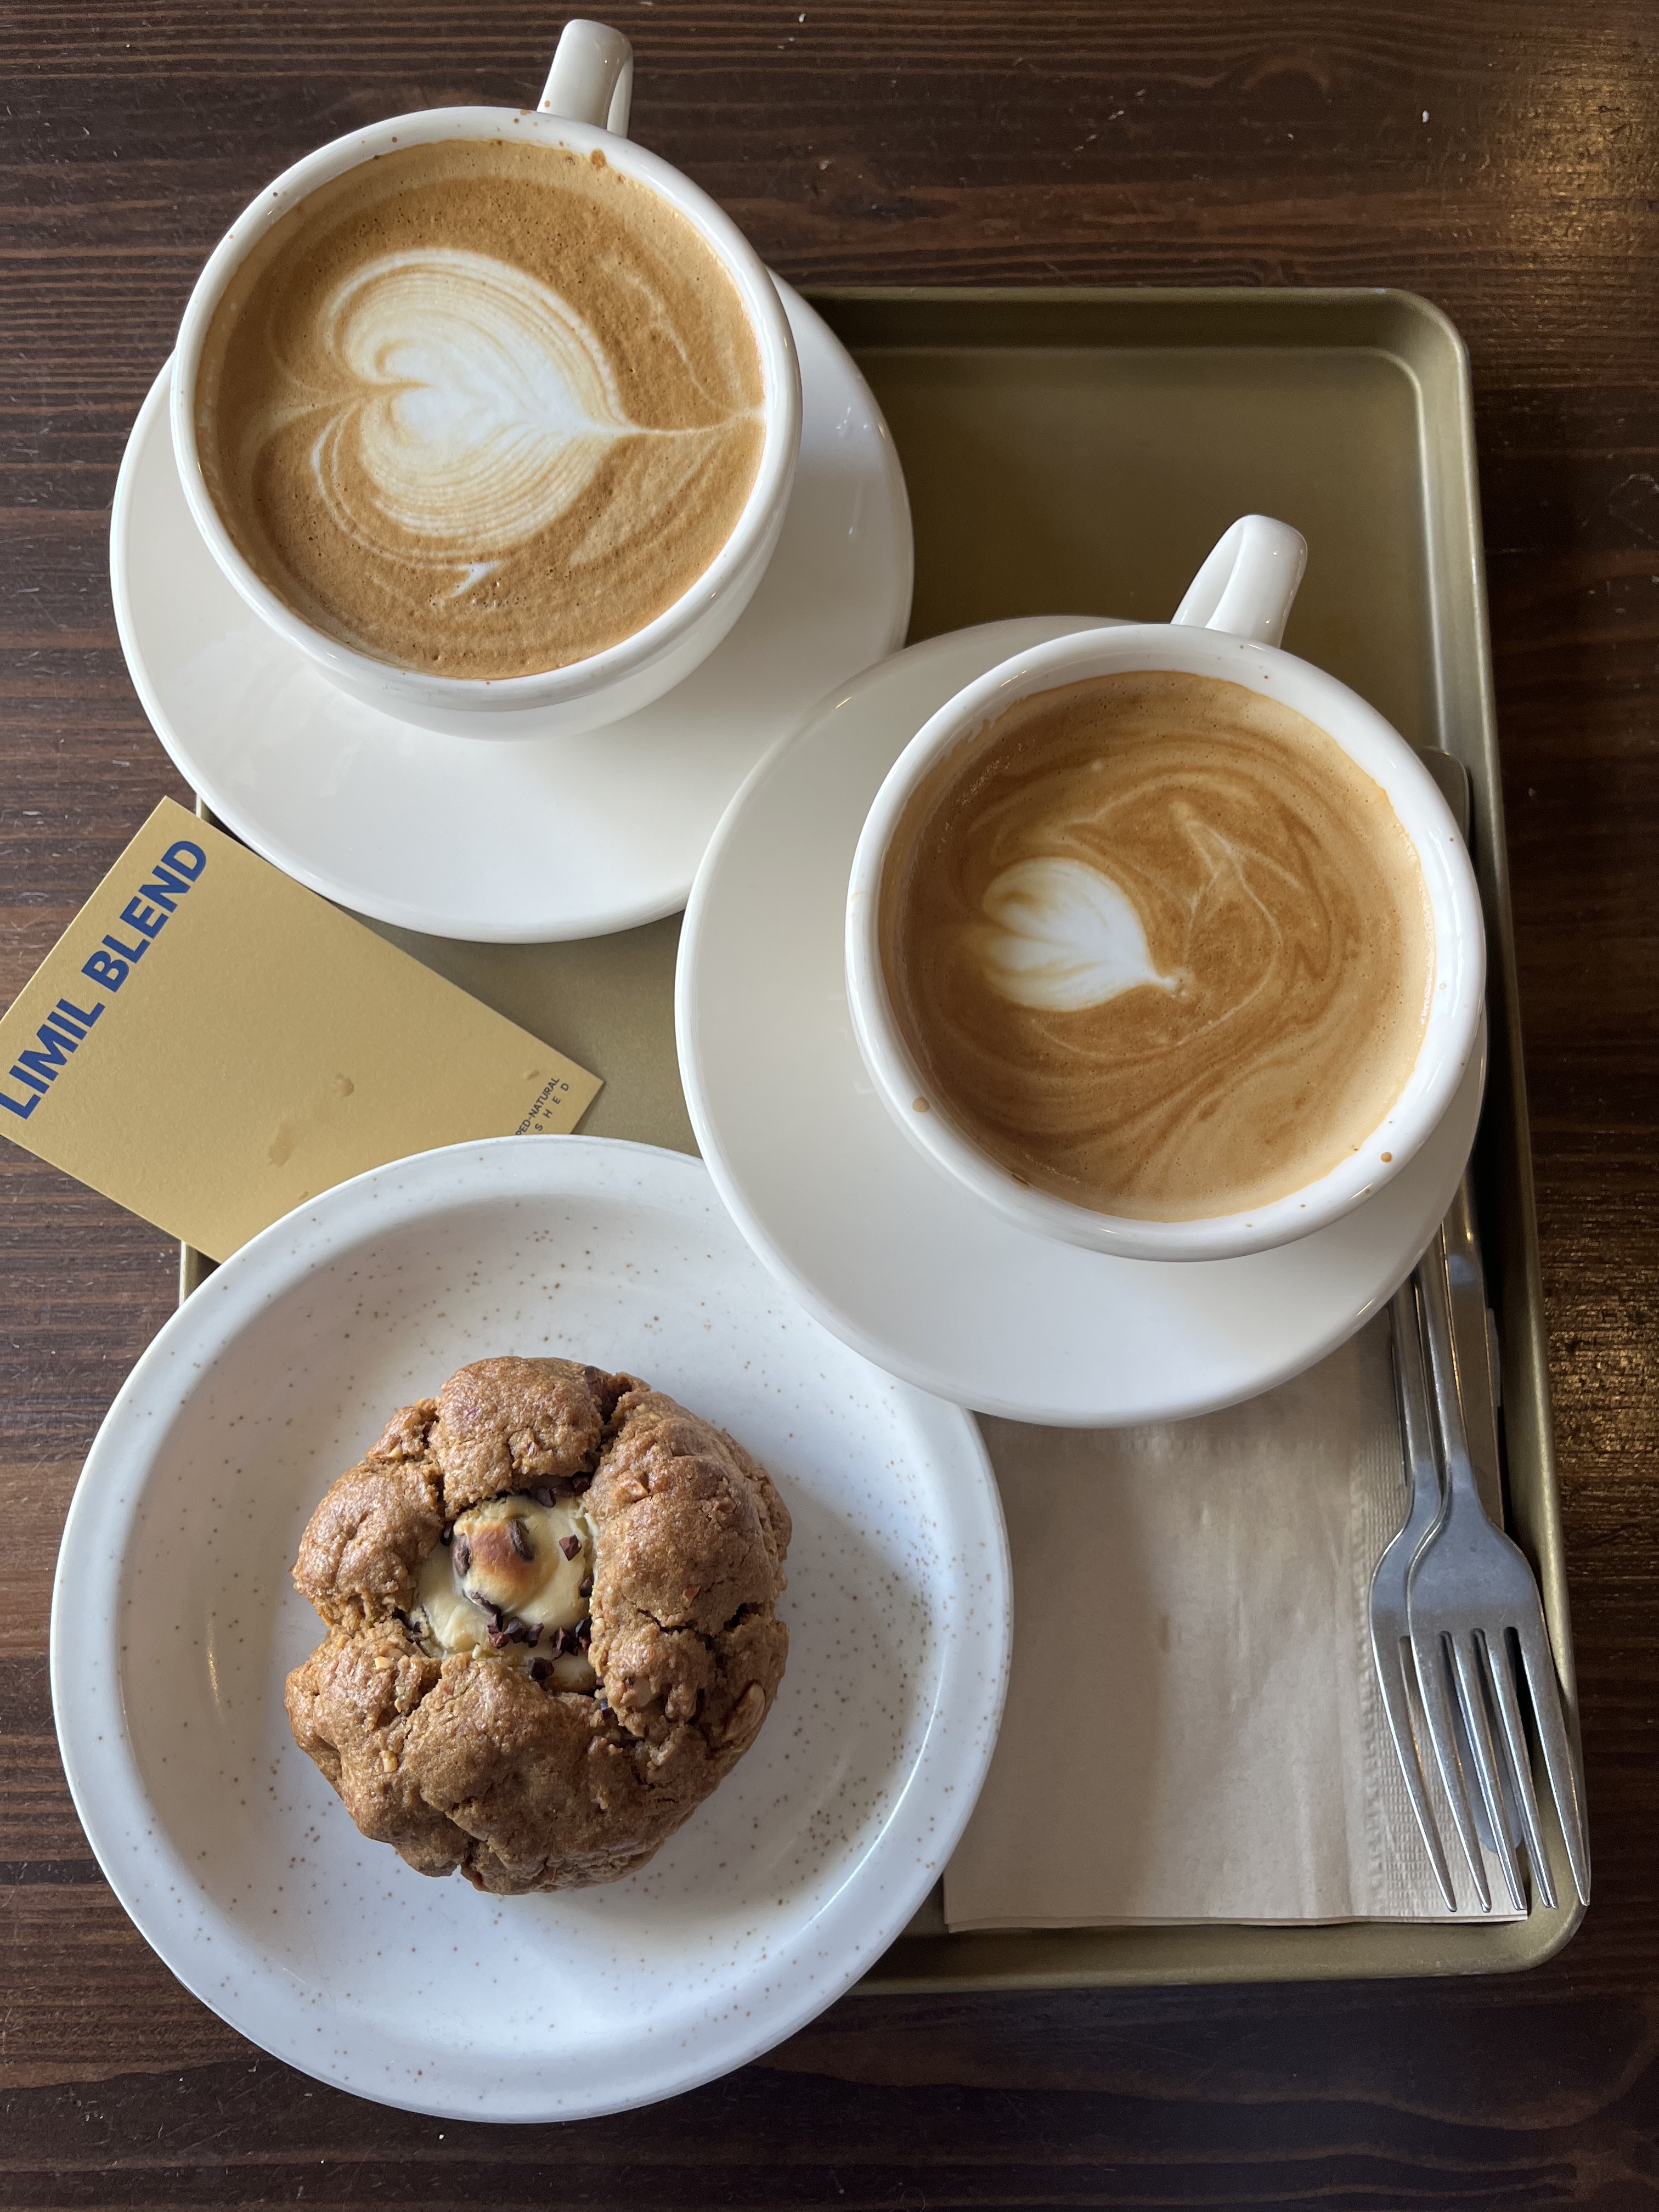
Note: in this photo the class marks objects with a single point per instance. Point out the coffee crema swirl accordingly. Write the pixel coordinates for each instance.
(1158, 945)
(481, 407)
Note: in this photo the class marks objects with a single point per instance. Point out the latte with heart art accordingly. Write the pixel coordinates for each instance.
(481, 407)
(1158, 945)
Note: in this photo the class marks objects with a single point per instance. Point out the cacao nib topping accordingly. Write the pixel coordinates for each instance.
(542, 1494)
(521, 1543)
(586, 1588)
(570, 1545)
(464, 1555)
(540, 1669)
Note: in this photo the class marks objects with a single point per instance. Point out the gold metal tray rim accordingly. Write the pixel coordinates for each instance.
(1420, 334)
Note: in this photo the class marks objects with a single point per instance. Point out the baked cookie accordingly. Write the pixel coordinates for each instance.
(551, 1600)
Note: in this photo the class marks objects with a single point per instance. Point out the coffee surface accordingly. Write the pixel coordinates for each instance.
(482, 407)
(1158, 945)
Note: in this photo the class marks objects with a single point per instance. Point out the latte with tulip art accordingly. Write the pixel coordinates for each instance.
(481, 407)
(1158, 945)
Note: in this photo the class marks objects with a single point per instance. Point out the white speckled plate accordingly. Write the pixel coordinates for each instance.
(174, 1624)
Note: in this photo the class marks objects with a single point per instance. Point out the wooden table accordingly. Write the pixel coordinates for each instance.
(1503, 160)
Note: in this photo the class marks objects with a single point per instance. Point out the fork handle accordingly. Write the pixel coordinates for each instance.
(1432, 1281)
(1411, 1387)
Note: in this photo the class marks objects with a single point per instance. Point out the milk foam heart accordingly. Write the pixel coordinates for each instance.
(481, 407)
(485, 406)
(1063, 936)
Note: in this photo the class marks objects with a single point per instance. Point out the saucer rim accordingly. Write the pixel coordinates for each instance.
(400, 914)
(843, 1324)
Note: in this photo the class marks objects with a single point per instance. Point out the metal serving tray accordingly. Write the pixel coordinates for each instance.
(1080, 451)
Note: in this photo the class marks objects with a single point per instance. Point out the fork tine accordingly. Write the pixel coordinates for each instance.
(1397, 1709)
(1540, 1661)
(1474, 1704)
(1442, 1735)
(1411, 1385)
(1519, 1764)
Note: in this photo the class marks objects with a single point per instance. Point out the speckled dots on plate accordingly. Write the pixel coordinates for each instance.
(175, 1623)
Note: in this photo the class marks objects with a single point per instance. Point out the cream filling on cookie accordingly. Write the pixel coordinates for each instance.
(516, 1562)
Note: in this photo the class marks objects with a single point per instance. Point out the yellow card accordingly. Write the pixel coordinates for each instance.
(211, 1044)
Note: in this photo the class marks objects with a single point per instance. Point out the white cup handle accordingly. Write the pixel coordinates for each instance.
(592, 79)
(1248, 584)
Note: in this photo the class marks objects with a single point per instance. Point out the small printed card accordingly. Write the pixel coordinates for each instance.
(211, 1044)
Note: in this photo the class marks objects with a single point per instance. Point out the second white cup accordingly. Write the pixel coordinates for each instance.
(1228, 627)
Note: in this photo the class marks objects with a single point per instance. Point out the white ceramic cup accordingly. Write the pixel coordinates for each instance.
(584, 109)
(1228, 626)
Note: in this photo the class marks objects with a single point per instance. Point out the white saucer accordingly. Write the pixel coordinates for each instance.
(175, 1623)
(879, 1244)
(510, 842)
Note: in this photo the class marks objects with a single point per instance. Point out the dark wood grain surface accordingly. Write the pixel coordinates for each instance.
(1502, 158)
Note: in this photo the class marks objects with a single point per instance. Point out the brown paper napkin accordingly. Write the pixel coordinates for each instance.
(1194, 1730)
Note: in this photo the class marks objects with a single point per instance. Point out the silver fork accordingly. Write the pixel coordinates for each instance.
(1390, 1627)
(1470, 1591)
